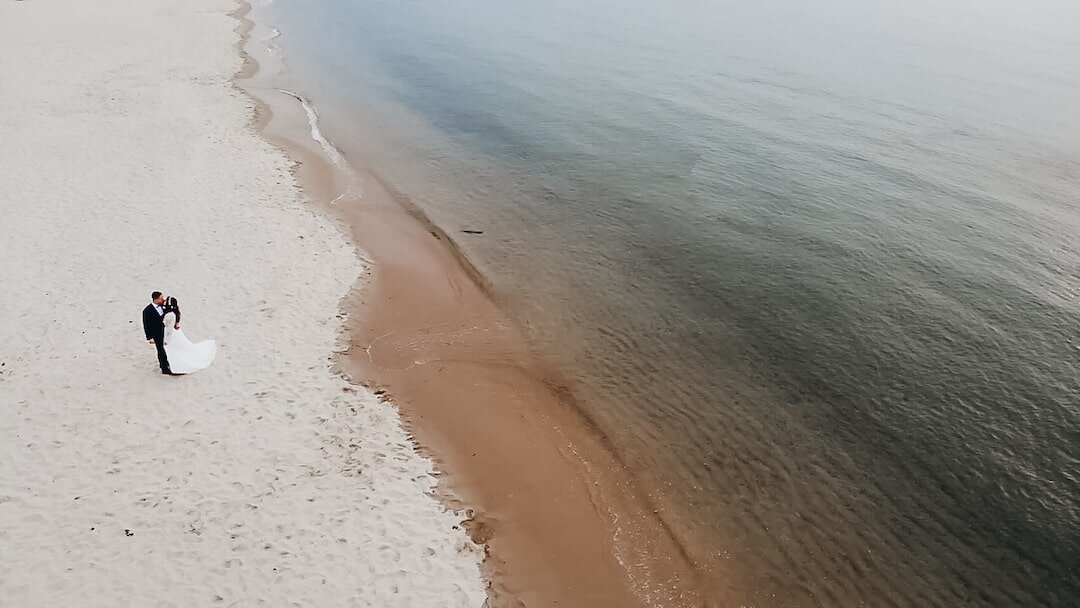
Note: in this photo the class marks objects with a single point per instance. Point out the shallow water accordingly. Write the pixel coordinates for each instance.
(813, 269)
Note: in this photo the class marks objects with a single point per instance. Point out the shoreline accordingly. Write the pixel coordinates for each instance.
(424, 331)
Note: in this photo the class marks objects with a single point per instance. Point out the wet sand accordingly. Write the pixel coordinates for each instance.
(560, 520)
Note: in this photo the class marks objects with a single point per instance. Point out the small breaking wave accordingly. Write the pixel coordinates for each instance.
(332, 152)
(269, 41)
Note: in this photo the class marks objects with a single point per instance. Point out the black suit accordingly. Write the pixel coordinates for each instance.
(154, 329)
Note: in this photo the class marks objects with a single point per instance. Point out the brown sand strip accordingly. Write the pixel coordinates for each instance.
(559, 517)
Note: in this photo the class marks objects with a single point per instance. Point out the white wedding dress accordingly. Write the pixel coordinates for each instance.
(184, 356)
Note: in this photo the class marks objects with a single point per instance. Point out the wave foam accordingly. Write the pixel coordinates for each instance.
(332, 152)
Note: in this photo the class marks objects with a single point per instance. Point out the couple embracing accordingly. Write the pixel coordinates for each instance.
(176, 354)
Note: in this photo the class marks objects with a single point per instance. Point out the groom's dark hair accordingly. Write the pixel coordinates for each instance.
(155, 295)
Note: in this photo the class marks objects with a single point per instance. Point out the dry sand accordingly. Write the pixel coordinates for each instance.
(130, 164)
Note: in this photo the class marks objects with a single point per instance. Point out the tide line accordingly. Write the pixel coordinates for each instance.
(332, 152)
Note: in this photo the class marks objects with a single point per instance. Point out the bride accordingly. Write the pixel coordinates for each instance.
(184, 357)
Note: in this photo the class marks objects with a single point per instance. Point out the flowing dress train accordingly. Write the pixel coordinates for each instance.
(184, 356)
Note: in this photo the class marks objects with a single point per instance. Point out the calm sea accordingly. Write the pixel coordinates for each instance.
(813, 266)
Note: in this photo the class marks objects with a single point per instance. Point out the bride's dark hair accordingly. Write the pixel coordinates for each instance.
(171, 305)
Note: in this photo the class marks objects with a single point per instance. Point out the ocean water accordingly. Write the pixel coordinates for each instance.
(812, 267)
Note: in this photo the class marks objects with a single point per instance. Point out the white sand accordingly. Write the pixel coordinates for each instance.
(128, 164)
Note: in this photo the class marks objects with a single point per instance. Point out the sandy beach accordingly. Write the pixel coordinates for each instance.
(131, 163)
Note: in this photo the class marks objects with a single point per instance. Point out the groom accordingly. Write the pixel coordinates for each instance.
(154, 328)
